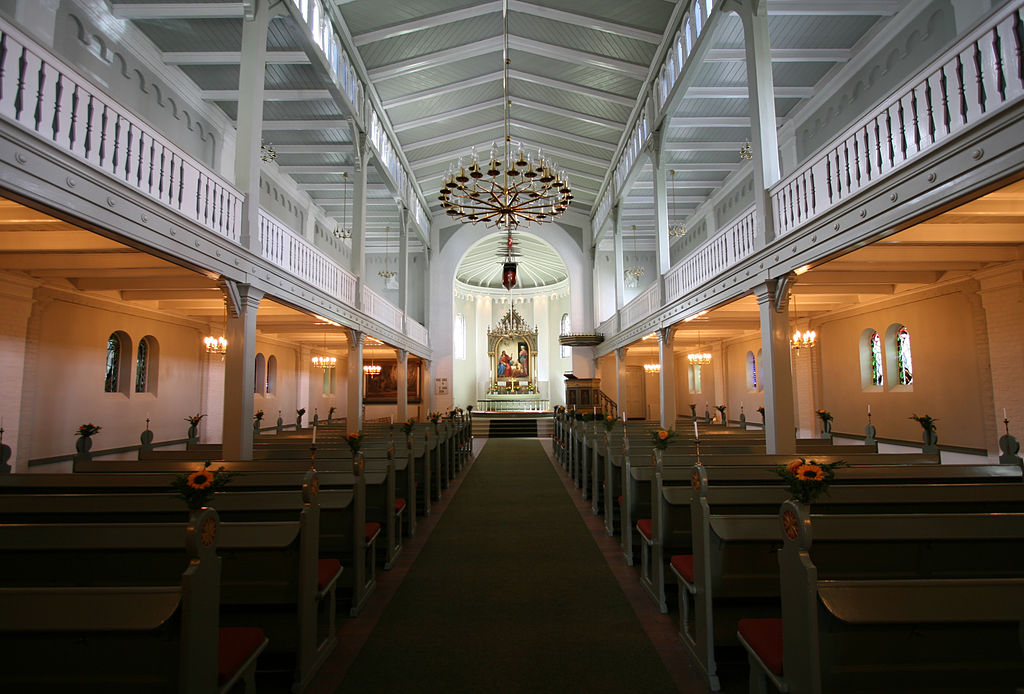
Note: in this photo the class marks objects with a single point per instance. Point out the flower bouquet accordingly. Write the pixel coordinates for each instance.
(660, 438)
(354, 441)
(930, 435)
(197, 488)
(434, 417)
(807, 479)
(89, 429)
(407, 426)
(258, 415)
(194, 420)
(609, 422)
(721, 412)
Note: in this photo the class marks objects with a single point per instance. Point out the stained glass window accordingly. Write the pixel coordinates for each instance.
(904, 364)
(113, 363)
(260, 374)
(142, 366)
(875, 344)
(752, 371)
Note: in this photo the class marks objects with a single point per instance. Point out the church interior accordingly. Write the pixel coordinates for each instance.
(671, 345)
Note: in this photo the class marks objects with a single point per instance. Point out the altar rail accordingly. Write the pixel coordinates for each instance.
(980, 75)
(502, 405)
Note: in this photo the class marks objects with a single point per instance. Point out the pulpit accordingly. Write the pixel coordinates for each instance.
(583, 393)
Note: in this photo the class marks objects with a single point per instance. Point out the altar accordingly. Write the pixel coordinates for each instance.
(512, 353)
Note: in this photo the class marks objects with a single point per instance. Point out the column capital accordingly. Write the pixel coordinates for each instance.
(665, 335)
(620, 353)
(775, 292)
(402, 354)
(356, 338)
(239, 297)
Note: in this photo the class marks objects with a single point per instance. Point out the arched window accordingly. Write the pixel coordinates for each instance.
(875, 350)
(904, 363)
(119, 362)
(146, 365)
(751, 371)
(261, 374)
(757, 364)
(459, 337)
(693, 376)
(271, 375)
(564, 328)
(328, 382)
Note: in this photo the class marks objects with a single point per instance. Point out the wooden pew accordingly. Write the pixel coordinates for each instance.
(732, 569)
(947, 627)
(270, 536)
(157, 636)
(667, 528)
(344, 530)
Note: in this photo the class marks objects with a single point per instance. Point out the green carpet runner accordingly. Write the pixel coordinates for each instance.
(509, 594)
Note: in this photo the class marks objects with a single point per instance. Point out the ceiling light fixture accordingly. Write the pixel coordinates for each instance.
(217, 345)
(387, 274)
(344, 230)
(807, 338)
(652, 368)
(699, 358)
(745, 152)
(677, 229)
(267, 151)
(519, 187)
(323, 361)
(635, 271)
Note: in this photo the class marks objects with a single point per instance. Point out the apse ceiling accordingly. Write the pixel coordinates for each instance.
(482, 264)
(434, 69)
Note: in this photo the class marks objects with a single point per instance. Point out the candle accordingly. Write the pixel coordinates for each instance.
(696, 434)
(1004, 413)
(869, 408)
(623, 416)
(314, 434)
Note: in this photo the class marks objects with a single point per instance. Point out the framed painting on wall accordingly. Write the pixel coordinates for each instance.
(383, 388)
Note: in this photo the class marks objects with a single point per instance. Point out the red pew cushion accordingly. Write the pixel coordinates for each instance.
(325, 570)
(646, 527)
(234, 646)
(372, 530)
(765, 637)
(683, 563)
(399, 504)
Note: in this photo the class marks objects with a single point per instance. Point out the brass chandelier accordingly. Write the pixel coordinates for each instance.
(677, 229)
(505, 192)
(344, 230)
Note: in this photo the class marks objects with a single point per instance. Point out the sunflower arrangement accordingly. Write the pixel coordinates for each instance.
(197, 488)
(660, 438)
(354, 441)
(808, 479)
(258, 415)
(195, 419)
(434, 417)
(824, 415)
(609, 422)
(407, 426)
(89, 429)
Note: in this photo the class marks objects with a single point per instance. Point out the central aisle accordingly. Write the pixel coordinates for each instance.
(509, 594)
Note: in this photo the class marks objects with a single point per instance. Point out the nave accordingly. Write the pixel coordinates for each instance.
(507, 589)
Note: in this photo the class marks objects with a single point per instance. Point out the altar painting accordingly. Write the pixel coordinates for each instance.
(513, 359)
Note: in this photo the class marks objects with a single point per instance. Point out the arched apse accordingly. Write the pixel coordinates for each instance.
(443, 267)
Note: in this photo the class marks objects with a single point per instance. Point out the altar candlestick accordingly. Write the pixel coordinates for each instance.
(314, 435)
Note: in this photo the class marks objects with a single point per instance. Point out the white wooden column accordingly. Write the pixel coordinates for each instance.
(251, 79)
(776, 371)
(764, 139)
(359, 216)
(403, 266)
(427, 389)
(662, 258)
(240, 369)
(667, 377)
(354, 411)
(403, 385)
(620, 379)
(620, 265)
